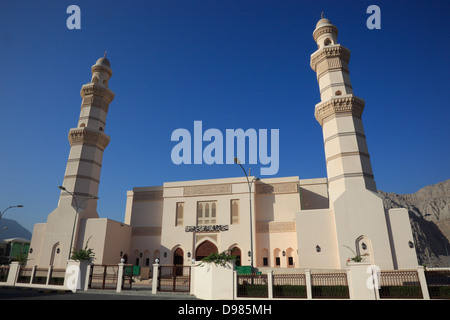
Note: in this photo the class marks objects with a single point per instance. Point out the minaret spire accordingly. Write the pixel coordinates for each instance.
(357, 208)
(88, 140)
(339, 112)
(78, 198)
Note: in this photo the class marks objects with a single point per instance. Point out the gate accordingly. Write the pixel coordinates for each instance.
(103, 276)
(174, 279)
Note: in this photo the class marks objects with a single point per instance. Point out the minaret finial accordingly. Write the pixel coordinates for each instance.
(321, 15)
(104, 56)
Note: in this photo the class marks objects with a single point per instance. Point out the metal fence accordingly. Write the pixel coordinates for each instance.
(103, 276)
(330, 285)
(25, 275)
(438, 283)
(252, 286)
(174, 278)
(289, 286)
(398, 284)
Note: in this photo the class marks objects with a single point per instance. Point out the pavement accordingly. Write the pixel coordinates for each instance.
(136, 293)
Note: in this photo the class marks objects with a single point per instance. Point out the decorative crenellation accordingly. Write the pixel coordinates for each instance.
(325, 29)
(335, 51)
(93, 89)
(84, 135)
(331, 64)
(330, 107)
(207, 190)
(288, 187)
(275, 227)
(148, 195)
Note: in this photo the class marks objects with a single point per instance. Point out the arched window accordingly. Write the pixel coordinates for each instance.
(265, 258)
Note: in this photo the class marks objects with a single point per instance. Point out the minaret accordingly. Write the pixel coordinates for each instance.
(339, 113)
(358, 210)
(54, 241)
(88, 140)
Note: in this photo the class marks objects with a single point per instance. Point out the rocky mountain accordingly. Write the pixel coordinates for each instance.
(429, 213)
(13, 230)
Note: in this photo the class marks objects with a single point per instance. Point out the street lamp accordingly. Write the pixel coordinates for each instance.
(76, 212)
(18, 206)
(236, 160)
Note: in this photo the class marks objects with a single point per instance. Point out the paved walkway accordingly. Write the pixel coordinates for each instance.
(143, 293)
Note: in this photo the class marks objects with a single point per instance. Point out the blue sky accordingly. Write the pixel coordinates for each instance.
(231, 64)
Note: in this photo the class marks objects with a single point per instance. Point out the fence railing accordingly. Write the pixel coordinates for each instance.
(397, 284)
(331, 285)
(103, 277)
(252, 286)
(438, 283)
(289, 286)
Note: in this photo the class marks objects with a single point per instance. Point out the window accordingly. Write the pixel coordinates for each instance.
(277, 261)
(290, 261)
(179, 214)
(234, 211)
(206, 213)
(265, 261)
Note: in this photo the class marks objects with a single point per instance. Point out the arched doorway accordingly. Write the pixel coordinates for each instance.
(178, 257)
(235, 251)
(205, 249)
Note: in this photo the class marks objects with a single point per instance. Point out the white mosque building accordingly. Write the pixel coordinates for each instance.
(278, 222)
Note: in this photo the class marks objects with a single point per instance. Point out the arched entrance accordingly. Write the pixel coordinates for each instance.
(178, 257)
(235, 251)
(205, 249)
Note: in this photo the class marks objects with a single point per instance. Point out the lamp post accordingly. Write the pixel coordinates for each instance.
(18, 206)
(76, 212)
(236, 160)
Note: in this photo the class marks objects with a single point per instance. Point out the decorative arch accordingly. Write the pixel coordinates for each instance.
(265, 257)
(205, 249)
(178, 256)
(55, 251)
(156, 255)
(236, 251)
(290, 258)
(277, 257)
(363, 246)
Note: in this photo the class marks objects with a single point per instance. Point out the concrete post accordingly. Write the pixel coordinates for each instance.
(33, 272)
(235, 285)
(13, 273)
(49, 274)
(270, 284)
(155, 278)
(308, 284)
(77, 275)
(120, 277)
(362, 280)
(423, 282)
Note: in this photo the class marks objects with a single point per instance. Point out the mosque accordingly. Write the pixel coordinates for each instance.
(282, 222)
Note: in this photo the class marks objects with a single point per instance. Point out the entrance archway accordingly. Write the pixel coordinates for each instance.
(235, 251)
(178, 257)
(205, 249)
